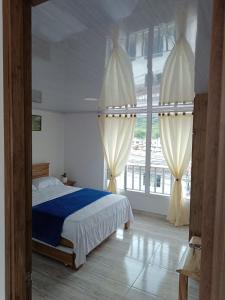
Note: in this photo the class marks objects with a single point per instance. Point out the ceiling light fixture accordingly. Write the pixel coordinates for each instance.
(90, 99)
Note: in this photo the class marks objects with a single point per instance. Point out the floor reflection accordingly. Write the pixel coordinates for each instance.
(138, 263)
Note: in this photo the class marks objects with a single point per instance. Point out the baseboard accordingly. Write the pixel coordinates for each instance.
(149, 214)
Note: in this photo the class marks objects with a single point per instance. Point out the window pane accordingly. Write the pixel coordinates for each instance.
(168, 182)
(139, 64)
(136, 162)
(120, 181)
(164, 39)
(139, 44)
(159, 167)
(170, 36)
(158, 41)
(145, 46)
(132, 46)
(186, 183)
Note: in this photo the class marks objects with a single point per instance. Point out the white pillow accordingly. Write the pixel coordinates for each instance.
(44, 182)
(33, 188)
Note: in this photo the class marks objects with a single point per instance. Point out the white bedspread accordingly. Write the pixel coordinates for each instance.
(88, 227)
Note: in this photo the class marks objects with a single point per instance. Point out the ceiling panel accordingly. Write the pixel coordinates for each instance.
(53, 24)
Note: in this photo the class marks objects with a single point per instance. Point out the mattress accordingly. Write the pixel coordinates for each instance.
(91, 225)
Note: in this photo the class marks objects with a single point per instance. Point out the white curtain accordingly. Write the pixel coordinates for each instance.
(177, 86)
(118, 85)
(176, 141)
(116, 133)
(177, 83)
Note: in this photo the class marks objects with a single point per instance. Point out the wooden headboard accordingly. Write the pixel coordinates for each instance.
(40, 170)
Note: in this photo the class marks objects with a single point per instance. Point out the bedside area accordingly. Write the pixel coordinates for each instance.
(70, 183)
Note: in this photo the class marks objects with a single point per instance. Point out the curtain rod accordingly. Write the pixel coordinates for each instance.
(133, 110)
(116, 115)
(153, 109)
(175, 113)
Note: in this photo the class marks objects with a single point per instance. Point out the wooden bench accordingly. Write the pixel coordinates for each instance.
(189, 266)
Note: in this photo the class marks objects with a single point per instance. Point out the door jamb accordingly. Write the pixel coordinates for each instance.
(18, 149)
(213, 221)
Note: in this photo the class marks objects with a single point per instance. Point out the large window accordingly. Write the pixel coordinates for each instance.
(146, 170)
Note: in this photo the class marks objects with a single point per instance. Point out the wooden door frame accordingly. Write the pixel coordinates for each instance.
(213, 215)
(18, 146)
(17, 77)
(18, 155)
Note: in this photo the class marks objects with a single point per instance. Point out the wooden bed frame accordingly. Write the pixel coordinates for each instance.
(67, 258)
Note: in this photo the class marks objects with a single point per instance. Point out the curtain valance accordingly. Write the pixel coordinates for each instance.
(177, 83)
(118, 85)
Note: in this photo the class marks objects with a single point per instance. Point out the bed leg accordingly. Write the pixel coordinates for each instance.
(73, 265)
(127, 225)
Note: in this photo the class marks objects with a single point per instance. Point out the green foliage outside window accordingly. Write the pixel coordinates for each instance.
(141, 126)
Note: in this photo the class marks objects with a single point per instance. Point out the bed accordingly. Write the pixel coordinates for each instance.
(83, 230)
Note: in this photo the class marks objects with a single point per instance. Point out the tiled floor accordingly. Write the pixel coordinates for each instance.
(137, 264)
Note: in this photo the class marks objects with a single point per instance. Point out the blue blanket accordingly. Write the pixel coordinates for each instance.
(48, 217)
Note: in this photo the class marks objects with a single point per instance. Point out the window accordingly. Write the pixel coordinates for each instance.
(164, 39)
(160, 177)
(145, 44)
(146, 170)
(158, 41)
(132, 46)
(138, 44)
(138, 52)
(135, 170)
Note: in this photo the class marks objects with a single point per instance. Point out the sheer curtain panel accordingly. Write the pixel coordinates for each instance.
(176, 141)
(116, 133)
(177, 87)
(118, 84)
(177, 83)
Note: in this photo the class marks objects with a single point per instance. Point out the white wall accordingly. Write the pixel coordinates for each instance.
(48, 144)
(153, 203)
(48, 76)
(2, 209)
(203, 46)
(68, 72)
(83, 150)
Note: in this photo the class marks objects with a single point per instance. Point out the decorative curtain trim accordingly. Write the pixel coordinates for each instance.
(175, 114)
(121, 106)
(118, 115)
